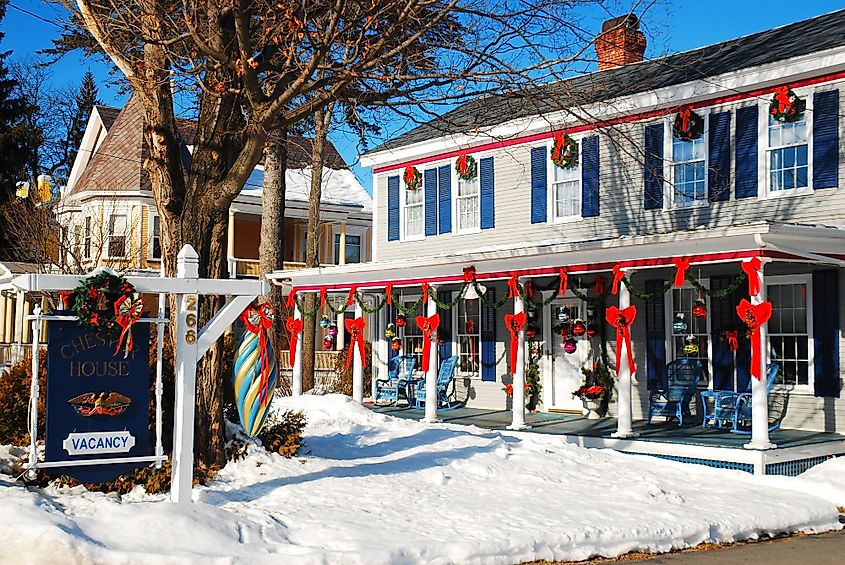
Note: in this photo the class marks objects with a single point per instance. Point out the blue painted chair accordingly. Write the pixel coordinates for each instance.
(681, 378)
(742, 411)
(400, 373)
(725, 402)
(444, 379)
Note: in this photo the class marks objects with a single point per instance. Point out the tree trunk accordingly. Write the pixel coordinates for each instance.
(271, 249)
(322, 119)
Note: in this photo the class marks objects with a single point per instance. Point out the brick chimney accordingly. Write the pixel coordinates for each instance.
(620, 42)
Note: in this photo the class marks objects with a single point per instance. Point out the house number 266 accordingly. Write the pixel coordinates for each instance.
(191, 319)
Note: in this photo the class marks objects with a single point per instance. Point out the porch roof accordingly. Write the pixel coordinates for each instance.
(787, 242)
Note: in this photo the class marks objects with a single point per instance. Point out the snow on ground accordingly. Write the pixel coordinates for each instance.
(373, 489)
(826, 480)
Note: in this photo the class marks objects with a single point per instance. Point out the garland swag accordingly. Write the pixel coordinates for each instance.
(466, 167)
(412, 178)
(688, 125)
(94, 300)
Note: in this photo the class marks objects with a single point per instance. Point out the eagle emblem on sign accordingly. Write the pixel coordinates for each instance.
(103, 404)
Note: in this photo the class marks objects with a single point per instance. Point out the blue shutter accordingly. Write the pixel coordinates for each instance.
(445, 328)
(430, 182)
(826, 139)
(653, 177)
(392, 208)
(719, 167)
(444, 191)
(722, 317)
(826, 332)
(539, 186)
(485, 173)
(655, 323)
(746, 152)
(488, 337)
(590, 177)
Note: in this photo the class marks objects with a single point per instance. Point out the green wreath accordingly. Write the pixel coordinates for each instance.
(466, 167)
(786, 106)
(413, 178)
(94, 299)
(564, 151)
(688, 125)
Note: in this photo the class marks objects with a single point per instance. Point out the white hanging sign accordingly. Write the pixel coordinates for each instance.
(93, 443)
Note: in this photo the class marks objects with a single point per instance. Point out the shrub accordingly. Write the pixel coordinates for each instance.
(283, 434)
(343, 381)
(14, 400)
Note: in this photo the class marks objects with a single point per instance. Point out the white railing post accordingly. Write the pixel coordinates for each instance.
(759, 396)
(357, 363)
(186, 377)
(624, 382)
(160, 329)
(379, 369)
(518, 407)
(34, 390)
(296, 366)
(431, 374)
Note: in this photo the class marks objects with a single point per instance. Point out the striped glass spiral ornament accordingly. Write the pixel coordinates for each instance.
(255, 376)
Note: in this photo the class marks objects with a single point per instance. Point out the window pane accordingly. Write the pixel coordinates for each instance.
(468, 336)
(567, 199)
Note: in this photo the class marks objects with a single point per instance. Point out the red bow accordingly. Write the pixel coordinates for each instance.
(462, 165)
(529, 290)
(469, 274)
(425, 288)
(291, 298)
(560, 141)
(388, 290)
(622, 320)
(323, 297)
(409, 175)
(731, 336)
(618, 274)
(751, 267)
(428, 327)
(513, 287)
(356, 330)
(350, 298)
(685, 115)
(294, 327)
(127, 313)
(65, 296)
(564, 282)
(599, 288)
(782, 98)
(682, 264)
(258, 321)
(754, 316)
(515, 323)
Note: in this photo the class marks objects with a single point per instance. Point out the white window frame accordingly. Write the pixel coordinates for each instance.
(403, 190)
(551, 202)
(807, 280)
(126, 236)
(763, 160)
(456, 341)
(669, 162)
(669, 318)
(455, 180)
(410, 321)
(336, 247)
(153, 218)
(87, 237)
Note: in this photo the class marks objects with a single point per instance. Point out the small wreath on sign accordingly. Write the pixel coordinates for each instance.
(786, 106)
(564, 151)
(466, 167)
(688, 125)
(412, 178)
(94, 300)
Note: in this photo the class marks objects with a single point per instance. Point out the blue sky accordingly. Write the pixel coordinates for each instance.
(670, 25)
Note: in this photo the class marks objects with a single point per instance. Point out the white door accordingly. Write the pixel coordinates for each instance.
(565, 368)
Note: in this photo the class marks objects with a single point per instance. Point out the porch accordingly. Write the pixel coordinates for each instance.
(796, 451)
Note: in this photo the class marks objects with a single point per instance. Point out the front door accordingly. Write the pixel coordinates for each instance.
(564, 368)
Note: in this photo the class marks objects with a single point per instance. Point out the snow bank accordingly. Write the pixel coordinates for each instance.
(826, 480)
(372, 489)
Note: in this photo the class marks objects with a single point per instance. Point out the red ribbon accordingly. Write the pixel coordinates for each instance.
(350, 298)
(685, 115)
(618, 274)
(599, 288)
(128, 311)
(560, 140)
(291, 298)
(356, 330)
(409, 175)
(388, 289)
(258, 321)
(682, 264)
(428, 327)
(294, 327)
(751, 268)
(731, 336)
(425, 288)
(529, 290)
(782, 98)
(622, 320)
(469, 274)
(754, 316)
(515, 323)
(462, 165)
(564, 282)
(513, 287)
(323, 292)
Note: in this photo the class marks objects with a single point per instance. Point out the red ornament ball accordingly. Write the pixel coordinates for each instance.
(328, 343)
(400, 321)
(569, 346)
(579, 328)
(699, 310)
(592, 330)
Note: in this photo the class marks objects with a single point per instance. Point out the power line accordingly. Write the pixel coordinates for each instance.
(39, 17)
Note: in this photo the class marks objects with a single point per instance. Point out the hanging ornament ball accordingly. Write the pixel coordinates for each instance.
(324, 322)
(569, 346)
(579, 328)
(396, 344)
(530, 333)
(563, 315)
(679, 325)
(332, 330)
(390, 331)
(592, 330)
(400, 321)
(690, 346)
(328, 343)
(699, 310)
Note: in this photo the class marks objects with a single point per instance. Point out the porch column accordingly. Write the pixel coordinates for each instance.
(9, 321)
(296, 366)
(357, 365)
(341, 332)
(2, 318)
(379, 366)
(624, 419)
(431, 374)
(518, 407)
(759, 396)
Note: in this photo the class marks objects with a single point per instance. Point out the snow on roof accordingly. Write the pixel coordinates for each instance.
(340, 187)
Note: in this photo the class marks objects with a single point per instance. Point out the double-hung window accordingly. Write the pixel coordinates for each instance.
(689, 334)
(352, 249)
(788, 151)
(689, 172)
(468, 336)
(86, 242)
(566, 191)
(414, 213)
(789, 329)
(155, 237)
(411, 334)
(467, 203)
(118, 227)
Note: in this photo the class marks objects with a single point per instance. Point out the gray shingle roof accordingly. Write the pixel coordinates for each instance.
(793, 40)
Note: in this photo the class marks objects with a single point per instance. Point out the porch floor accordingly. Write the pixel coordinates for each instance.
(555, 423)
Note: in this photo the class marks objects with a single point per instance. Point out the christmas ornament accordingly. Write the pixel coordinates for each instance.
(754, 316)
(570, 345)
(401, 322)
(564, 151)
(563, 315)
(786, 106)
(466, 167)
(622, 320)
(95, 300)
(390, 331)
(579, 328)
(328, 344)
(690, 346)
(699, 310)
(396, 344)
(530, 333)
(332, 330)
(324, 322)
(356, 340)
(688, 125)
(679, 326)
(255, 371)
(412, 178)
